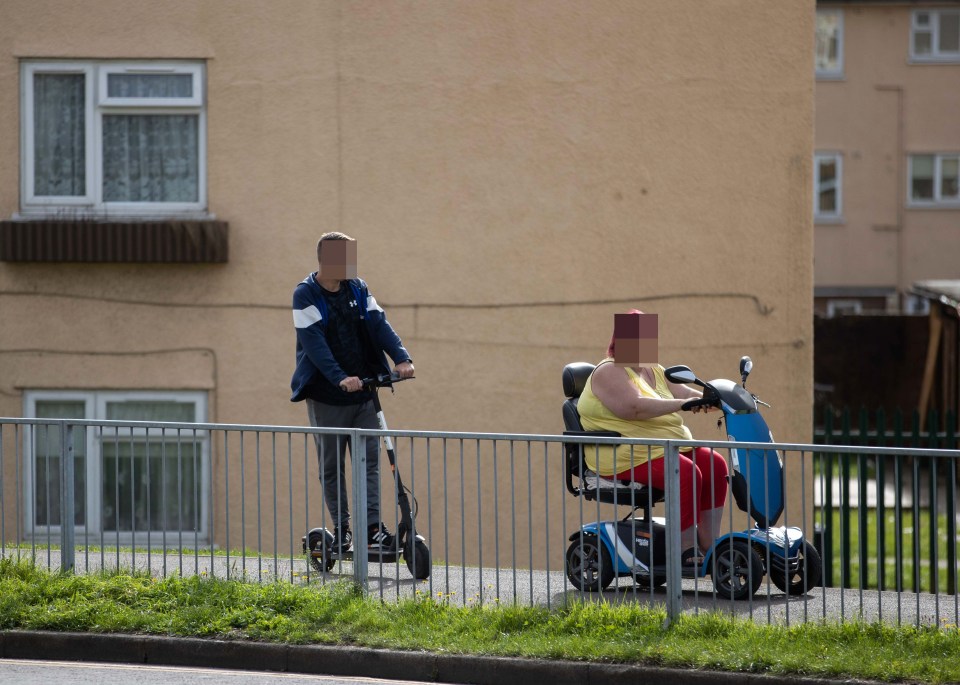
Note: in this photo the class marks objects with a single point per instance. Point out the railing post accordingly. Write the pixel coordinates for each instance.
(358, 462)
(672, 504)
(67, 532)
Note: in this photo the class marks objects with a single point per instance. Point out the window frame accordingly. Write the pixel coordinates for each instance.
(937, 202)
(820, 217)
(97, 105)
(838, 72)
(94, 405)
(935, 56)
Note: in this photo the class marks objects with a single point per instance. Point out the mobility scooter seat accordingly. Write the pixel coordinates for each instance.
(593, 487)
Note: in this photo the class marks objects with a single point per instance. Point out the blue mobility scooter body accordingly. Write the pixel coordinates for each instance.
(635, 546)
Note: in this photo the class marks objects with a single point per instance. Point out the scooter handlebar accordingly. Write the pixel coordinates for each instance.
(382, 380)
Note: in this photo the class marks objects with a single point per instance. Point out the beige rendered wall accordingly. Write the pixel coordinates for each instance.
(883, 110)
(515, 174)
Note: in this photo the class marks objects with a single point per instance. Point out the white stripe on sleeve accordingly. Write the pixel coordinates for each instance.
(372, 304)
(304, 318)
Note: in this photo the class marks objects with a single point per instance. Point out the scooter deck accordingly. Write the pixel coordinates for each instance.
(376, 556)
(686, 571)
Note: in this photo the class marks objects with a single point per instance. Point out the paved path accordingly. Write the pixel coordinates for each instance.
(469, 586)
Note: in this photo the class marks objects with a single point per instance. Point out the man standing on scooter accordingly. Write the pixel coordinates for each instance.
(342, 337)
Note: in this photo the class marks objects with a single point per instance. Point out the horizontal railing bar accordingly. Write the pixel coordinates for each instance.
(515, 437)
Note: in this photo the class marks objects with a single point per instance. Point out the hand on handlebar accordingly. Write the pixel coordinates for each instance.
(403, 370)
(351, 384)
(700, 403)
(383, 380)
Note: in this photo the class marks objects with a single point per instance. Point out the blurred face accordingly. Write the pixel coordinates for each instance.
(338, 260)
(635, 339)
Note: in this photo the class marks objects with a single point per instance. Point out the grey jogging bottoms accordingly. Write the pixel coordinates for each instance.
(331, 457)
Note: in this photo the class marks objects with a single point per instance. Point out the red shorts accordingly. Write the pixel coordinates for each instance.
(703, 481)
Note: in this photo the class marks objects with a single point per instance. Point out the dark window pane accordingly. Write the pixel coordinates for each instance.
(59, 135)
(949, 32)
(151, 486)
(149, 85)
(151, 158)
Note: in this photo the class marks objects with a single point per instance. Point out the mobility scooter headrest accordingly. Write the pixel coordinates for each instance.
(575, 376)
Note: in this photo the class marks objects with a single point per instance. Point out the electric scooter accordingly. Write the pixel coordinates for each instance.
(318, 544)
(737, 561)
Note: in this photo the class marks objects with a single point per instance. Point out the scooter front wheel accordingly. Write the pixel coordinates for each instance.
(417, 557)
(737, 570)
(806, 575)
(589, 566)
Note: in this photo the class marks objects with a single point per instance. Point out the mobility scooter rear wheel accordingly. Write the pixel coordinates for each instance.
(589, 566)
(737, 569)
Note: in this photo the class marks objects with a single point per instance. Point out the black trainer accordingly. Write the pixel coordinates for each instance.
(379, 538)
(342, 539)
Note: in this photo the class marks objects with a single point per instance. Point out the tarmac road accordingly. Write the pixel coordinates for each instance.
(27, 672)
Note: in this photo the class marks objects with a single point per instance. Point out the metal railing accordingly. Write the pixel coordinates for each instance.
(895, 507)
(235, 501)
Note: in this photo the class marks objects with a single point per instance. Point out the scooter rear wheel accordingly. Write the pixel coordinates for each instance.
(737, 570)
(322, 541)
(807, 574)
(589, 566)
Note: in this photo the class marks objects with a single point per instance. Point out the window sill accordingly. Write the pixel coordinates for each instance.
(935, 204)
(945, 59)
(829, 221)
(113, 241)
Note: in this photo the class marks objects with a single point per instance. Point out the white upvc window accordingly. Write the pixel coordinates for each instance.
(828, 187)
(934, 180)
(935, 35)
(107, 138)
(131, 484)
(829, 44)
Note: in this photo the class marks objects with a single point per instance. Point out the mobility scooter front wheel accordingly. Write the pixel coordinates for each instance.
(589, 566)
(806, 575)
(737, 569)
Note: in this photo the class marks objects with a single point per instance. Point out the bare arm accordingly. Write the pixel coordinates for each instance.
(613, 388)
(679, 391)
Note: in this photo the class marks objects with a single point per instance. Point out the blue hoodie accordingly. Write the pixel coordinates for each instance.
(313, 354)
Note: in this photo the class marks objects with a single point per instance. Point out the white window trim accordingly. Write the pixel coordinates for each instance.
(937, 202)
(837, 73)
(91, 205)
(827, 217)
(109, 68)
(41, 202)
(95, 406)
(935, 57)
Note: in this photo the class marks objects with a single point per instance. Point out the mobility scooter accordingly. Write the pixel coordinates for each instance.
(636, 546)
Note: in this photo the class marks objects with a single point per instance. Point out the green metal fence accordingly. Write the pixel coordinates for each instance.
(888, 523)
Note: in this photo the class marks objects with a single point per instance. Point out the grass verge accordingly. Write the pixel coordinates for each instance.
(34, 599)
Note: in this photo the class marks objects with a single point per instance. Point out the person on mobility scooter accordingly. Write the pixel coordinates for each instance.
(737, 560)
(627, 393)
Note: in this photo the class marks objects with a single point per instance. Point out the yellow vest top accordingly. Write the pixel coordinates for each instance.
(596, 417)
